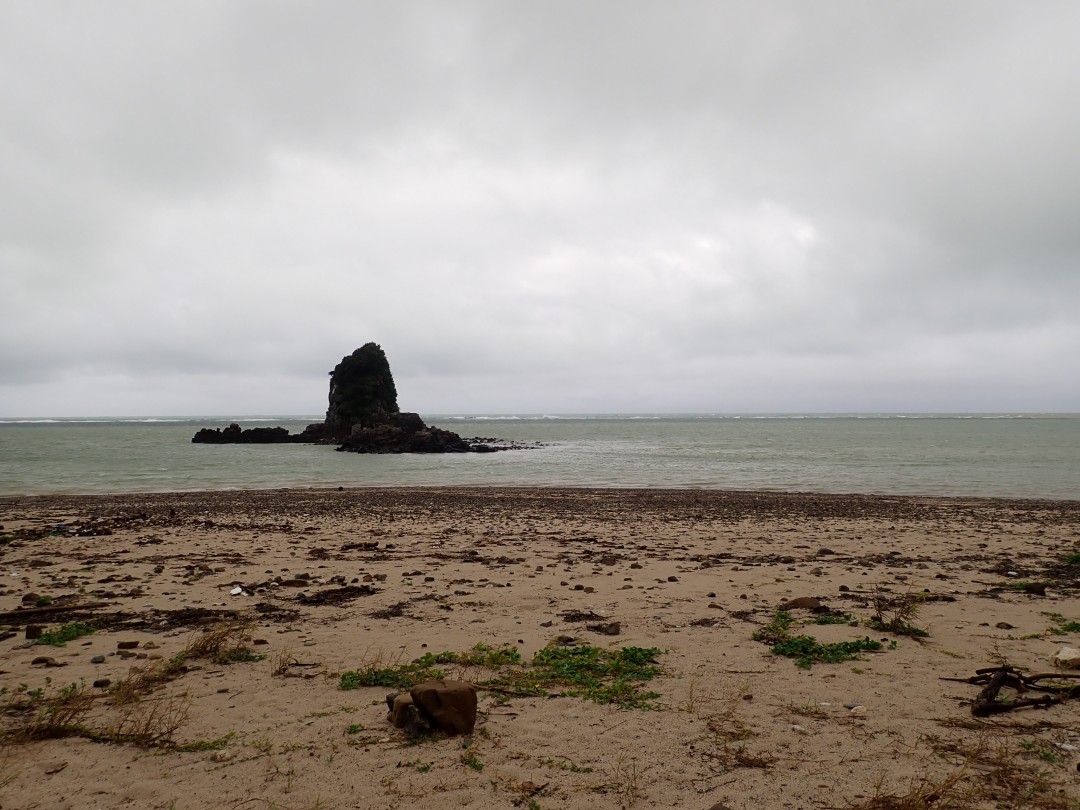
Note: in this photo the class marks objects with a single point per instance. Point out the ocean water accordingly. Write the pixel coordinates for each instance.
(984, 455)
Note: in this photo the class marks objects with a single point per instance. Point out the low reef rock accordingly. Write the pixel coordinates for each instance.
(362, 417)
(234, 434)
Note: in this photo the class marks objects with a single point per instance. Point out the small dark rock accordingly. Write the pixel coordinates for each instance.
(102, 683)
(803, 603)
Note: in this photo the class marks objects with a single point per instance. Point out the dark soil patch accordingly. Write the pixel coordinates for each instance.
(581, 616)
(336, 596)
(395, 611)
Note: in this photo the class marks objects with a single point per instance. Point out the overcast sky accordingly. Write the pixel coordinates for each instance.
(540, 206)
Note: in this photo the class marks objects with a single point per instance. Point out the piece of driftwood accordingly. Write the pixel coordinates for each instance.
(994, 679)
(16, 617)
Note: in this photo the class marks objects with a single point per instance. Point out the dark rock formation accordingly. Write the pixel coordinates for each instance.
(362, 417)
(234, 435)
(362, 392)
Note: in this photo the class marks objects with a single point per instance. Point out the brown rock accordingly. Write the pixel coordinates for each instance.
(607, 629)
(449, 705)
(405, 715)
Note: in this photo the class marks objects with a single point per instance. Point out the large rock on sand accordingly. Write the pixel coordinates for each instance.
(449, 705)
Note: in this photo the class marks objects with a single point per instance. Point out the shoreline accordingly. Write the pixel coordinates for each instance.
(331, 581)
(531, 490)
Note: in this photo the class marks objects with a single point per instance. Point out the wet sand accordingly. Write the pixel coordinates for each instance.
(330, 581)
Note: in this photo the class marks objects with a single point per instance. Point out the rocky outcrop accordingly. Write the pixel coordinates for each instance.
(403, 433)
(362, 417)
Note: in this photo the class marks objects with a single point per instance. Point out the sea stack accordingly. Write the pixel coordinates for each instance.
(362, 417)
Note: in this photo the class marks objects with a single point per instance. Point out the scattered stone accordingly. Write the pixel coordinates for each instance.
(46, 661)
(98, 659)
(1035, 588)
(858, 711)
(673, 578)
(34, 631)
(127, 645)
(803, 603)
(1005, 626)
(102, 683)
(606, 628)
(221, 756)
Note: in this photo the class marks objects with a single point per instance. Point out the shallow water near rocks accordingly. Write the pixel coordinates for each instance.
(994, 455)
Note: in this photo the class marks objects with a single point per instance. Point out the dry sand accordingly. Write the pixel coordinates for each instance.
(378, 577)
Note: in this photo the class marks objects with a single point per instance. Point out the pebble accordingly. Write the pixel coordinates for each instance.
(102, 683)
(221, 756)
(858, 711)
(98, 659)
(799, 730)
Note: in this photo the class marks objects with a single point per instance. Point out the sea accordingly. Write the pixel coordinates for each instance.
(978, 455)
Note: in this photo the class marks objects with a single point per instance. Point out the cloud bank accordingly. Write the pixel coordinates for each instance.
(559, 207)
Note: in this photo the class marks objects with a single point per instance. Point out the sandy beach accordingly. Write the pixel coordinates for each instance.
(301, 587)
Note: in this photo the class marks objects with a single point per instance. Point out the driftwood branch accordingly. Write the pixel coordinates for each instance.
(994, 679)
